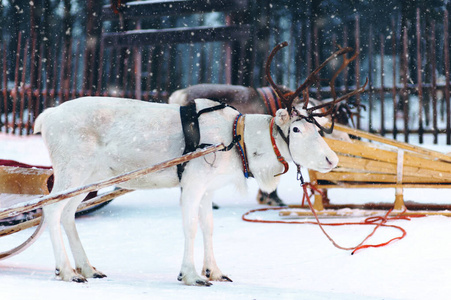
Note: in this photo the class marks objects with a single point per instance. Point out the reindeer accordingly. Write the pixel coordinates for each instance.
(265, 100)
(94, 138)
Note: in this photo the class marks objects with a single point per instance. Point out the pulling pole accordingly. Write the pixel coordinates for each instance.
(53, 198)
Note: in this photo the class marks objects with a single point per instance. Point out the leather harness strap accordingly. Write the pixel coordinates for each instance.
(238, 132)
(280, 158)
(270, 99)
(189, 118)
(191, 132)
(190, 126)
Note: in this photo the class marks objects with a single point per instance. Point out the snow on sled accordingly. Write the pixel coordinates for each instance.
(25, 189)
(380, 163)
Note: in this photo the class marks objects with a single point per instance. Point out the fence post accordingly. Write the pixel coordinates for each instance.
(394, 92)
(93, 31)
(419, 79)
(433, 82)
(370, 80)
(446, 54)
(405, 92)
(357, 68)
(5, 86)
(382, 93)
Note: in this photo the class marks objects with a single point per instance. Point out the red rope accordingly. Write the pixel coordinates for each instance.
(376, 221)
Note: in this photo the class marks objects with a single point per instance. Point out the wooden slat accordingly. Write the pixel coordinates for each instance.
(372, 166)
(358, 212)
(359, 149)
(375, 152)
(360, 185)
(394, 143)
(371, 177)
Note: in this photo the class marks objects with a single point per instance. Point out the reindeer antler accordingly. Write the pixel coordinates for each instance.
(345, 63)
(288, 101)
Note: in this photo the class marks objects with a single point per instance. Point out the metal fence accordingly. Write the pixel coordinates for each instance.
(405, 98)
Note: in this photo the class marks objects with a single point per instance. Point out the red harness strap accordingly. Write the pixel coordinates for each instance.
(276, 149)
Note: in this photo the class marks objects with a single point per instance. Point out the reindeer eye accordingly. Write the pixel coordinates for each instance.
(295, 129)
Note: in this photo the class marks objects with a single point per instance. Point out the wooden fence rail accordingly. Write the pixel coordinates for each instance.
(404, 98)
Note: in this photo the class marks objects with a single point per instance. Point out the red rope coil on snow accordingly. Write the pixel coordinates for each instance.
(377, 221)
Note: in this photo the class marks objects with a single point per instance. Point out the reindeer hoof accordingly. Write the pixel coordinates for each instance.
(79, 279)
(271, 199)
(98, 275)
(90, 273)
(203, 283)
(215, 275)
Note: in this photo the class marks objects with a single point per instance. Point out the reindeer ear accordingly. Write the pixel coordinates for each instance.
(282, 117)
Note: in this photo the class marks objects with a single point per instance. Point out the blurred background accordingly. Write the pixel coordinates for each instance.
(52, 51)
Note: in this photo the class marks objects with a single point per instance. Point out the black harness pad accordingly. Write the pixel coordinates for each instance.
(190, 126)
(191, 132)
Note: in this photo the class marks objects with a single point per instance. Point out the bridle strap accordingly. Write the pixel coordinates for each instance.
(280, 158)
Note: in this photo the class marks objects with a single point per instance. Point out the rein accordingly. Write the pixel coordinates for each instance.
(376, 221)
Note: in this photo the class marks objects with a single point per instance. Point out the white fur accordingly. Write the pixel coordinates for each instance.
(178, 97)
(94, 138)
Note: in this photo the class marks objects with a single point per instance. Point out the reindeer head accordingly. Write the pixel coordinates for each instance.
(299, 124)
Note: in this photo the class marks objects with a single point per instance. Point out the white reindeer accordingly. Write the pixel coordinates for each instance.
(94, 138)
(249, 100)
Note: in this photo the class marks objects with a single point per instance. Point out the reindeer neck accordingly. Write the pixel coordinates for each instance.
(260, 150)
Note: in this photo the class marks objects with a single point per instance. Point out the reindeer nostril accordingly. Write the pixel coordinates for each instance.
(328, 161)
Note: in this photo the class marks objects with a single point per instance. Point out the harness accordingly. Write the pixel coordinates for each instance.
(238, 131)
(270, 99)
(190, 126)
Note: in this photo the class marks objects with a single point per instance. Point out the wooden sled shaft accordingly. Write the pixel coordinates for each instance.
(87, 204)
(53, 198)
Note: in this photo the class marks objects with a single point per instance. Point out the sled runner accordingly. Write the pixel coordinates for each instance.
(380, 163)
(35, 183)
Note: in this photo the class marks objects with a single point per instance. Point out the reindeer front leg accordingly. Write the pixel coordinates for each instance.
(190, 200)
(210, 269)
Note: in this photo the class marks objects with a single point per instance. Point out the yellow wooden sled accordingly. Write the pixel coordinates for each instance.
(381, 163)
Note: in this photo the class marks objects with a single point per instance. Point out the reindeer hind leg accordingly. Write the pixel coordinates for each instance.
(82, 263)
(52, 216)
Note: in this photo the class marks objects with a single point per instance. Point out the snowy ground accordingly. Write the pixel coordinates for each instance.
(137, 241)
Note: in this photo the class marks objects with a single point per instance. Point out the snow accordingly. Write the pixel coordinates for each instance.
(137, 240)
